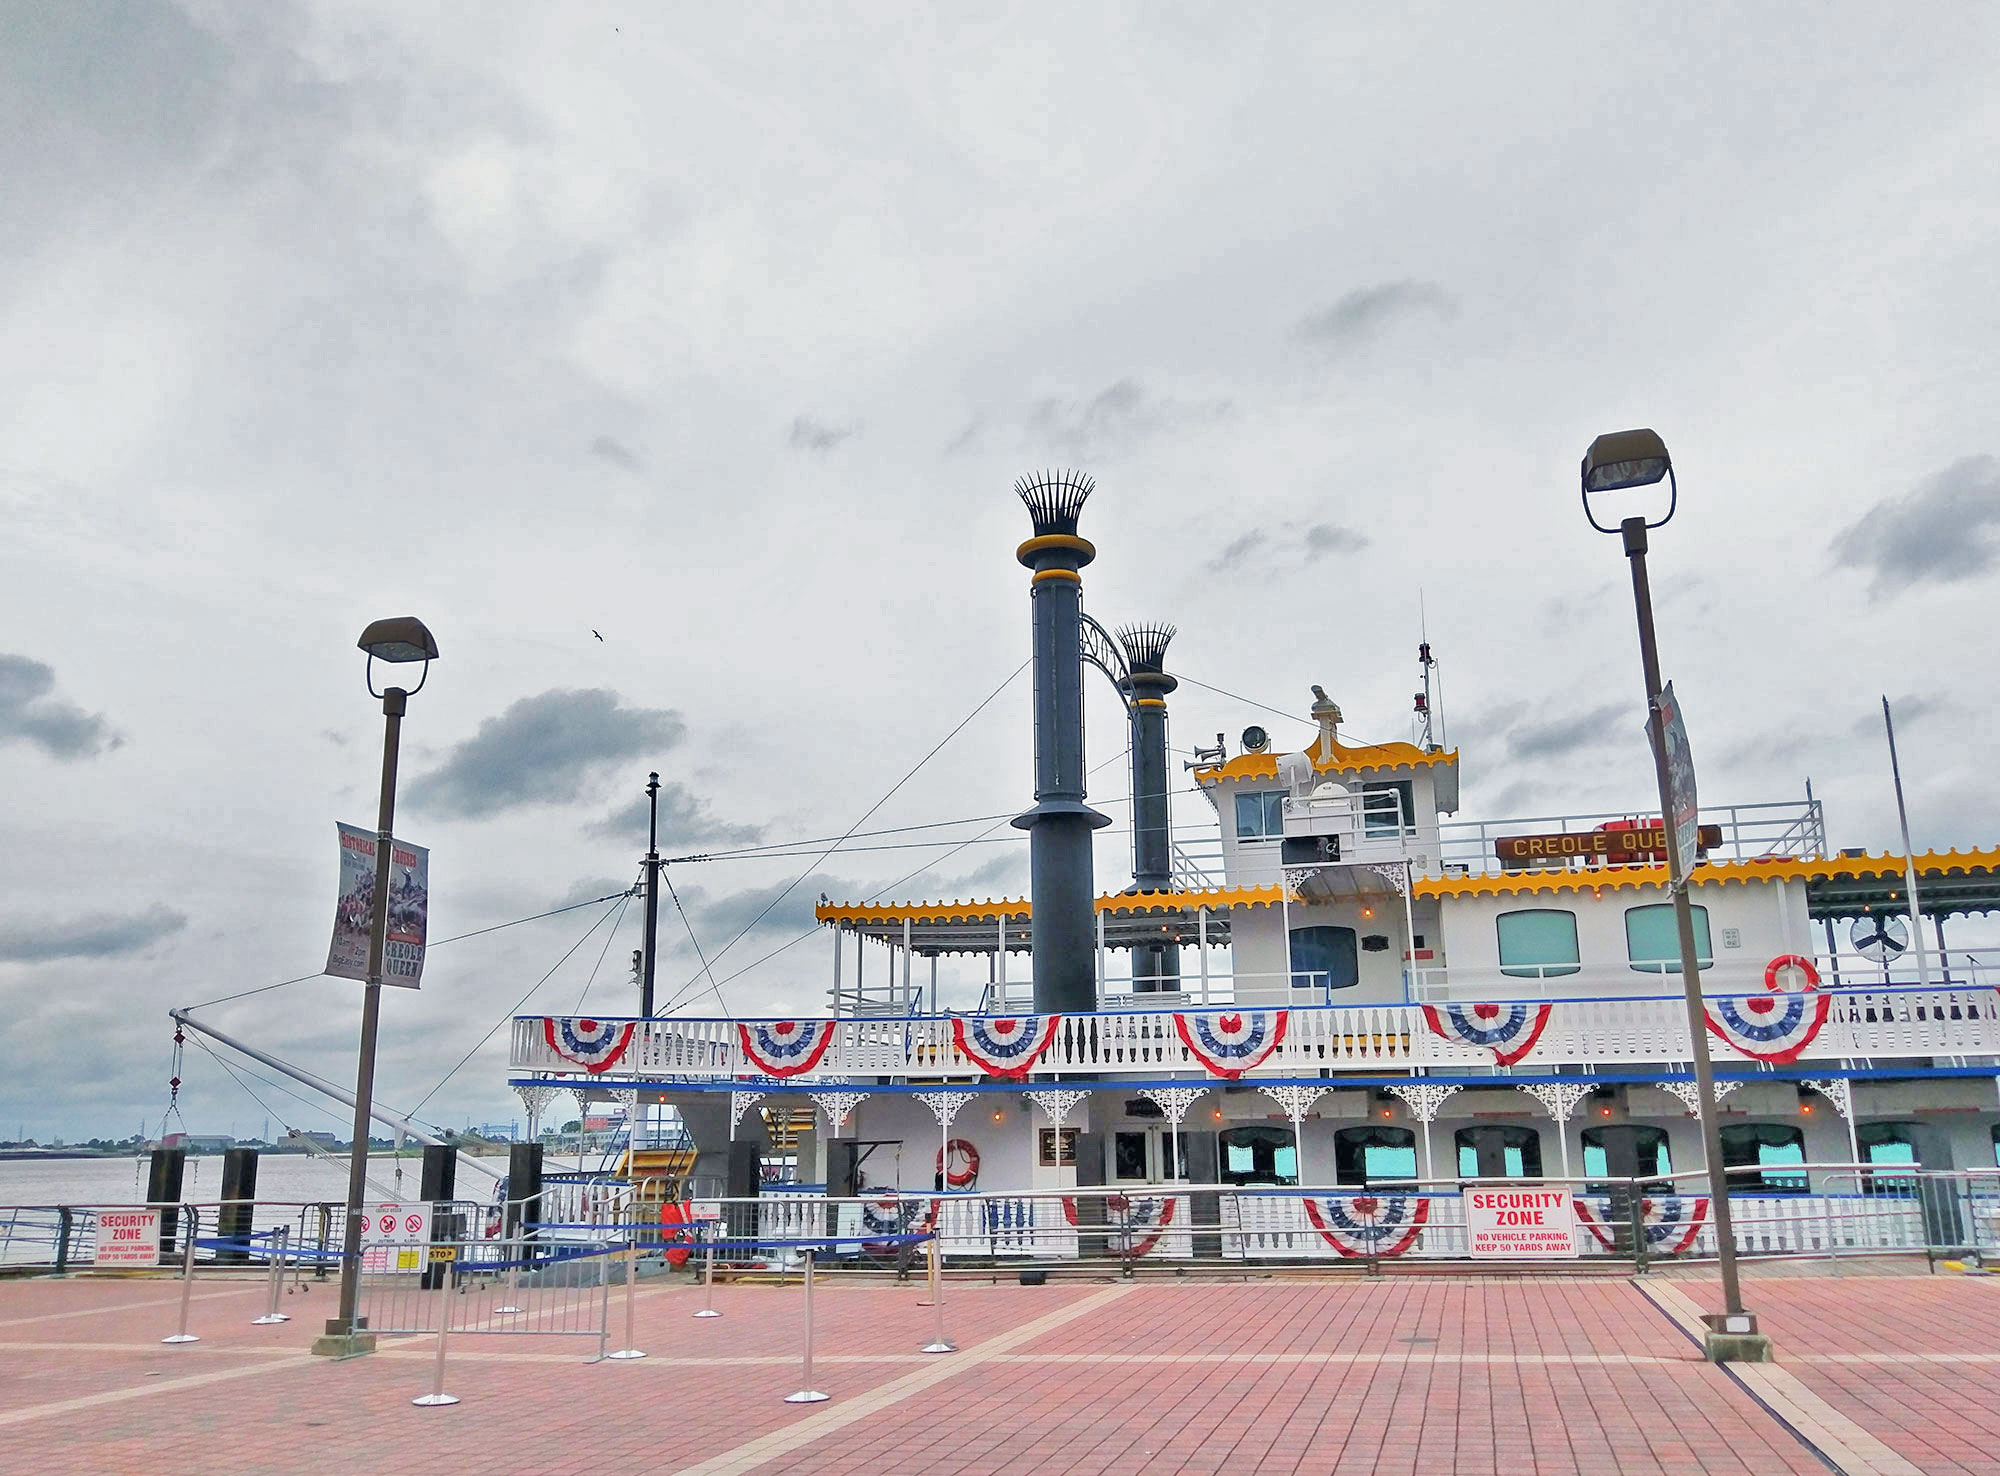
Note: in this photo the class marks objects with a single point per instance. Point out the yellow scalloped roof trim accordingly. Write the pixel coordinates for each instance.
(1018, 909)
(1345, 760)
(1715, 873)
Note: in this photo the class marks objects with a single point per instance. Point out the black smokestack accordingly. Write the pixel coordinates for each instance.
(1155, 966)
(1059, 826)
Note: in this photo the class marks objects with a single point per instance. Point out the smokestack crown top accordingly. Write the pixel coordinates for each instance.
(1146, 645)
(1054, 498)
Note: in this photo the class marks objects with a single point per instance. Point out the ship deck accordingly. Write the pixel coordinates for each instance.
(1877, 1373)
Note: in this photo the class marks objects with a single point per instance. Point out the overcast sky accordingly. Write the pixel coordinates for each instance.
(723, 338)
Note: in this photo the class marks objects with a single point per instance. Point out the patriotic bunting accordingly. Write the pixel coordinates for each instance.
(891, 1214)
(785, 1047)
(1671, 1222)
(1132, 1227)
(1369, 1224)
(1232, 1042)
(595, 1045)
(1508, 1030)
(1769, 1027)
(1005, 1046)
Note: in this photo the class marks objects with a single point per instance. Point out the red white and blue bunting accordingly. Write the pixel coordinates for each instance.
(1233, 1042)
(1005, 1046)
(785, 1047)
(1671, 1222)
(1769, 1027)
(1510, 1031)
(595, 1045)
(891, 1214)
(1369, 1224)
(1132, 1226)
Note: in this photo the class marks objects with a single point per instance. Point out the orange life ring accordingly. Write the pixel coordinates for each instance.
(675, 1226)
(1791, 961)
(962, 1151)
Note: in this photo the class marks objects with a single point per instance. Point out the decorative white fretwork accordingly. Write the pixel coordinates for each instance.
(1395, 873)
(1056, 1103)
(1174, 1101)
(1690, 1093)
(837, 1106)
(1558, 1098)
(582, 1104)
(1296, 1100)
(1839, 1091)
(536, 1099)
(946, 1105)
(1296, 877)
(740, 1103)
(1424, 1099)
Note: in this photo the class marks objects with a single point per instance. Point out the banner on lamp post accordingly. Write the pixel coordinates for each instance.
(354, 912)
(1684, 810)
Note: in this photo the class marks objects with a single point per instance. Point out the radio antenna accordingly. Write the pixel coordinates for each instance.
(1430, 701)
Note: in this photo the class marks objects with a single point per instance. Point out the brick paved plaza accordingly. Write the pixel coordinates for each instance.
(1882, 1373)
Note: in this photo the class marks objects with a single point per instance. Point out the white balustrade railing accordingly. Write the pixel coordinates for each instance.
(1958, 1020)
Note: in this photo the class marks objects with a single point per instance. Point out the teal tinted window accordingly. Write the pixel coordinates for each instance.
(1653, 940)
(1325, 958)
(1537, 943)
(1649, 1145)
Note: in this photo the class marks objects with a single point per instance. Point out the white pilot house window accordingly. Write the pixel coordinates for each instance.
(1261, 815)
(1653, 940)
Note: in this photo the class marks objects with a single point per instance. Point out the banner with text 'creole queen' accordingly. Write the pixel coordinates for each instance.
(354, 913)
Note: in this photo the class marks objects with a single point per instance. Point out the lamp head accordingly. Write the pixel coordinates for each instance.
(402, 638)
(1618, 460)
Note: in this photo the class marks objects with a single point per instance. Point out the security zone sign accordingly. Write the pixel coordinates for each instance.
(1521, 1224)
(127, 1238)
(396, 1237)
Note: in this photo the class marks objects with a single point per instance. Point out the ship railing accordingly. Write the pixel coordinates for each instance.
(1961, 1018)
(1814, 1210)
(1957, 968)
(1788, 828)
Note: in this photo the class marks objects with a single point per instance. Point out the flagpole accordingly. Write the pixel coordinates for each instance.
(1909, 858)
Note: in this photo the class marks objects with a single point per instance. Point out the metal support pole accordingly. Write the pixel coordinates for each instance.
(806, 1393)
(189, 1227)
(631, 1293)
(1201, 925)
(652, 893)
(395, 702)
(708, 1283)
(437, 1396)
(1100, 961)
(510, 1308)
(1634, 533)
(939, 1343)
(1909, 859)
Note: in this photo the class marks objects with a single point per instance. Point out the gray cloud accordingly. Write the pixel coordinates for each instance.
(1559, 737)
(1948, 529)
(29, 715)
(1908, 711)
(1362, 314)
(1122, 415)
(606, 449)
(817, 436)
(98, 935)
(685, 819)
(1326, 538)
(541, 750)
(1237, 550)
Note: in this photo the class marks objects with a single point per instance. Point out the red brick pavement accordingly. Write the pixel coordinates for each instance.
(1395, 1375)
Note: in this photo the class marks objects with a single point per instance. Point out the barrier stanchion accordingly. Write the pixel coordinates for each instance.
(187, 1277)
(939, 1343)
(437, 1396)
(708, 1284)
(631, 1291)
(280, 1238)
(513, 1277)
(806, 1393)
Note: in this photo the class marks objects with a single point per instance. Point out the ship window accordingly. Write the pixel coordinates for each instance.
(1371, 1155)
(1388, 809)
(1996, 1145)
(1763, 1146)
(1538, 943)
(1261, 815)
(1324, 958)
(1258, 1155)
(1653, 939)
(1522, 1148)
(1649, 1146)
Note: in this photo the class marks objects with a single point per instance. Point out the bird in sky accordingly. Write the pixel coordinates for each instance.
(595, 634)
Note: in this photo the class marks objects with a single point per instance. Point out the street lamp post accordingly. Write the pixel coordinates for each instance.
(1614, 462)
(403, 639)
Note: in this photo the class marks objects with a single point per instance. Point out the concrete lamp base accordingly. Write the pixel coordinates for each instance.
(343, 1344)
(1732, 1337)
